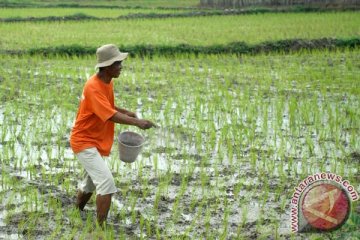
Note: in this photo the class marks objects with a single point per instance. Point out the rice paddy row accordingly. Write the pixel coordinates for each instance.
(102, 3)
(95, 12)
(201, 31)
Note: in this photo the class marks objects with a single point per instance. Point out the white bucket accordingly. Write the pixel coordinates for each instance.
(130, 145)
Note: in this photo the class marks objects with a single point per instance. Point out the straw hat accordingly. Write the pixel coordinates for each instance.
(108, 54)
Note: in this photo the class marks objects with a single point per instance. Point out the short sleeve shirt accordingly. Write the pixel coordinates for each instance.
(92, 126)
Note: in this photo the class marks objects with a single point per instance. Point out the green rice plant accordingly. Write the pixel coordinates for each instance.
(158, 234)
(176, 205)
(3, 132)
(133, 201)
(207, 222)
(66, 185)
(157, 198)
(196, 218)
(283, 203)
(244, 214)
(225, 220)
(149, 228)
(341, 169)
(27, 226)
(293, 115)
(230, 152)
(333, 166)
(270, 166)
(155, 161)
(73, 234)
(35, 201)
(95, 12)
(204, 180)
(193, 202)
(75, 218)
(176, 210)
(271, 26)
(141, 222)
(310, 145)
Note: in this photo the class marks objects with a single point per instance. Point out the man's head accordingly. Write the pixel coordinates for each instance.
(109, 58)
(113, 70)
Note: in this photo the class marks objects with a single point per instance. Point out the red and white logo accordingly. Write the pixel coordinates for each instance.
(325, 206)
(321, 202)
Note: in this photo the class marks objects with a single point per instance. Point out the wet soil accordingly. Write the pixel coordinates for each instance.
(202, 203)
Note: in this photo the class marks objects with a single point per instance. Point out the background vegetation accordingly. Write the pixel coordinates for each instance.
(197, 31)
(110, 3)
(281, 3)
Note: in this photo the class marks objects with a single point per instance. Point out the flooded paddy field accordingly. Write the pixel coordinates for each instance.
(236, 135)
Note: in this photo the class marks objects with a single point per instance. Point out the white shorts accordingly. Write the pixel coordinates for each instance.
(97, 174)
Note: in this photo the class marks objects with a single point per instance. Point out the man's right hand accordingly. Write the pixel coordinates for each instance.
(145, 124)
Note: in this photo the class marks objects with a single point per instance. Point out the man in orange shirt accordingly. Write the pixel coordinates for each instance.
(93, 133)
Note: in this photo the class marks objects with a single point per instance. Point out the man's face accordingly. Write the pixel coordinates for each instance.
(115, 69)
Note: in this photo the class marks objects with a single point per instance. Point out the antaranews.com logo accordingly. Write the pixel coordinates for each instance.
(321, 202)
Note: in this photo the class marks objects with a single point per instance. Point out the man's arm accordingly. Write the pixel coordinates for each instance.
(127, 112)
(122, 118)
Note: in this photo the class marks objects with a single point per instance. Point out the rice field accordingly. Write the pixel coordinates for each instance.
(200, 31)
(237, 133)
(95, 12)
(108, 3)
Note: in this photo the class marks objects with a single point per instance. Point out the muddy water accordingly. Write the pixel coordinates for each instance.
(209, 200)
(205, 205)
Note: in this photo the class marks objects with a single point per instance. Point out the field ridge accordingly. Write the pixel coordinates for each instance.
(7, 4)
(83, 16)
(290, 45)
(76, 5)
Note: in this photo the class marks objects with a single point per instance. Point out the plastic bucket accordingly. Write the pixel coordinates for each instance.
(130, 145)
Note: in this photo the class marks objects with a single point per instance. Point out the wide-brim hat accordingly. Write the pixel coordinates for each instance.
(108, 54)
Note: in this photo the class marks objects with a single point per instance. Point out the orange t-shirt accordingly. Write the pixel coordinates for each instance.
(92, 126)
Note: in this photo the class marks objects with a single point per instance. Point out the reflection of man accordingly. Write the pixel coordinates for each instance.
(93, 133)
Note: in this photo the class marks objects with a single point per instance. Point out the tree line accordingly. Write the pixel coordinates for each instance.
(278, 3)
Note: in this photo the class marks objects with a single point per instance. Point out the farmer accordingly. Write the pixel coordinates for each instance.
(93, 133)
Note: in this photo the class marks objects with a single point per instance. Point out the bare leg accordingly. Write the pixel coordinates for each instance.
(103, 203)
(82, 199)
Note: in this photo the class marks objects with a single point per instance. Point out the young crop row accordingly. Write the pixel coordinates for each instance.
(95, 12)
(201, 31)
(102, 3)
(84, 14)
(236, 136)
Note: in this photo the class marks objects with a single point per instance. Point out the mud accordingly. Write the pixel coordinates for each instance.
(193, 204)
(176, 200)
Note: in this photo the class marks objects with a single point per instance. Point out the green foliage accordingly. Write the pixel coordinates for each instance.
(143, 14)
(75, 17)
(101, 3)
(231, 48)
(215, 33)
(332, 4)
